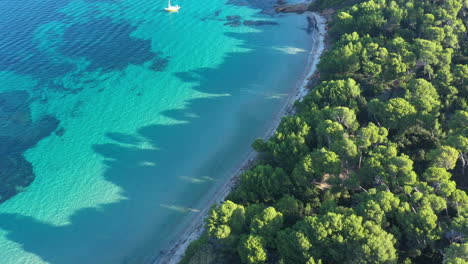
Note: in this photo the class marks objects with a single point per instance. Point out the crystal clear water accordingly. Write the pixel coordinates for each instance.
(137, 116)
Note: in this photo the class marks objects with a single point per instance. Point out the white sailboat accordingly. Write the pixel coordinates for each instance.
(171, 8)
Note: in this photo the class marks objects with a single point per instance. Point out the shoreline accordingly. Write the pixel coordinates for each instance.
(196, 227)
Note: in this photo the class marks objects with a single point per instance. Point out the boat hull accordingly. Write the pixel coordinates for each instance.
(172, 9)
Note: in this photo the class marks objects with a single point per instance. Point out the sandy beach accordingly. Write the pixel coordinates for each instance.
(196, 227)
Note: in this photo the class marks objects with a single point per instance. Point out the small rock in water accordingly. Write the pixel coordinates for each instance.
(233, 18)
(311, 24)
(233, 23)
(159, 64)
(259, 23)
(59, 132)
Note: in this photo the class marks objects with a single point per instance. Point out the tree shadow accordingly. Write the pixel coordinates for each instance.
(163, 165)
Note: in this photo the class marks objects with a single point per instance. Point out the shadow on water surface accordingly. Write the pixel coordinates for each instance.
(157, 177)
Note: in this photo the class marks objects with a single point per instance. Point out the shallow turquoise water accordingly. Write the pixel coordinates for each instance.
(155, 111)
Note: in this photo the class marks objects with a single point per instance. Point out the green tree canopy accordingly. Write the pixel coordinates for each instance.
(423, 96)
(340, 238)
(444, 157)
(252, 249)
(336, 93)
(261, 184)
(396, 113)
(456, 254)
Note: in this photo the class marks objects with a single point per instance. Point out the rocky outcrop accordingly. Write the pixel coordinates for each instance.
(236, 21)
(311, 23)
(233, 23)
(297, 8)
(259, 23)
(233, 18)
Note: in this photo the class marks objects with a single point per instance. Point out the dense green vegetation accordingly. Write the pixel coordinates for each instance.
(372, 168)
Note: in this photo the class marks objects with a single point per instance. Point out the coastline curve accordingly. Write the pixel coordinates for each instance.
(196, 227)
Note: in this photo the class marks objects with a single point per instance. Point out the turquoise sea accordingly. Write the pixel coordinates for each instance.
(118, 120)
